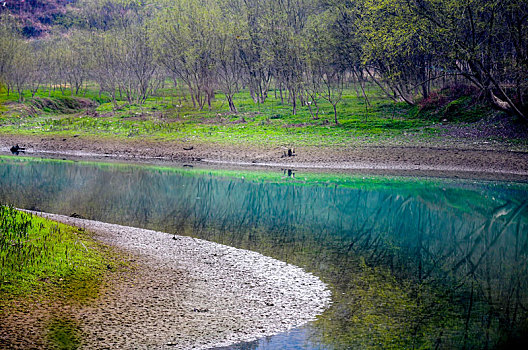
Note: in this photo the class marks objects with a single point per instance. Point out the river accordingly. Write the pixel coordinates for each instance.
(411, 262)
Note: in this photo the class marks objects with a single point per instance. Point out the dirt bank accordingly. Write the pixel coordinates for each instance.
(189, 293)
(453, 160)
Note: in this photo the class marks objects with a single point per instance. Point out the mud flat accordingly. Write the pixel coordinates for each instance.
(460, 158)
(186, 293)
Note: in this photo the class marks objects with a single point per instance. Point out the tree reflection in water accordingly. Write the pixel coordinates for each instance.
(421, 263)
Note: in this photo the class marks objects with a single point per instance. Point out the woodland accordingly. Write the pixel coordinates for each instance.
(308, 51)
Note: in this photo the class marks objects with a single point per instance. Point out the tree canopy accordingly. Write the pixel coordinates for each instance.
(305, 48)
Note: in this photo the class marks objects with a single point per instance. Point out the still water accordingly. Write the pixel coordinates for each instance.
(411, 262)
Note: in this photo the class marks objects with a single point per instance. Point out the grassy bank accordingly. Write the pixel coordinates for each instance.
(35, 251)
(44, 267)
(170, 116)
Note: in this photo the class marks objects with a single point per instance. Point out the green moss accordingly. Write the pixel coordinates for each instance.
(64, 334)
(454, 104)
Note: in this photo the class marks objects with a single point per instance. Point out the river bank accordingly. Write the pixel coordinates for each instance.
(462, 159)
(192, 294)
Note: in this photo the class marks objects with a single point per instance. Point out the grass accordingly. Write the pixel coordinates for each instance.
(36, 251)
(46, 263)
(171, 116)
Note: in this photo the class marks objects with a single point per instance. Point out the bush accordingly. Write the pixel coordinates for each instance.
(454, 103)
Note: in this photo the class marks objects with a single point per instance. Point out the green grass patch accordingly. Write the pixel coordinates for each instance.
(43, 262)
(36, 252)
(171, 116)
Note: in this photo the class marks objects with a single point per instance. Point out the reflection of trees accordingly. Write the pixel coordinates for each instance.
(451, 261)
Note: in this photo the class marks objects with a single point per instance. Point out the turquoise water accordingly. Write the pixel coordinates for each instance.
(412, 262)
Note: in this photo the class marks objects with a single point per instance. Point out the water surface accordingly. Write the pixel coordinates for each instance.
(411, 262)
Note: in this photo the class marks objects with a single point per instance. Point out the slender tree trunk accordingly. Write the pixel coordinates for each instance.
(294, 102)
(232, 107)
(20, 94)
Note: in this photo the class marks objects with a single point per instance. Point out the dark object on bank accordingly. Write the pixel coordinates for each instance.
(188, 148)
(290, 153)
(16, 149)
(200, 310)
(78, 216)
(188, 166)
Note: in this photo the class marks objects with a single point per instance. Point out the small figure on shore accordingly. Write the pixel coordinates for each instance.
(289, 153)
(16, 149)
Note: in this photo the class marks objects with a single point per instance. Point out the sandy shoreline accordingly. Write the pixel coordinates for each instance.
(463, 161)
(188, 293)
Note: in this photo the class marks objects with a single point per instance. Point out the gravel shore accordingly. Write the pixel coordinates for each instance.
(186, 293)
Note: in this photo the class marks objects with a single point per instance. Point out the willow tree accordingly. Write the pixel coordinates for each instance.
(17, 58)
(254, 46)
(408, 44)
(229, 71)
(395, 53)
(10, 41)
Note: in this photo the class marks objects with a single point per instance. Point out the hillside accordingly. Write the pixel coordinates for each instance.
(37, 17)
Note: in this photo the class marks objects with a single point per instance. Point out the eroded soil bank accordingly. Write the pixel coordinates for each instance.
(189, 293)
(453, 160)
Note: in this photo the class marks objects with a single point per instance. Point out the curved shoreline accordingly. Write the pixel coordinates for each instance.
(191, 293)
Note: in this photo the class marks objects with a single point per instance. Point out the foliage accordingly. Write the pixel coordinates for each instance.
(306, 50)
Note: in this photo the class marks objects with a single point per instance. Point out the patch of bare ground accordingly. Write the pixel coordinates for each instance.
(498, 126)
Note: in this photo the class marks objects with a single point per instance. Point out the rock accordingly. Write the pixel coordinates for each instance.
(200, 310)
